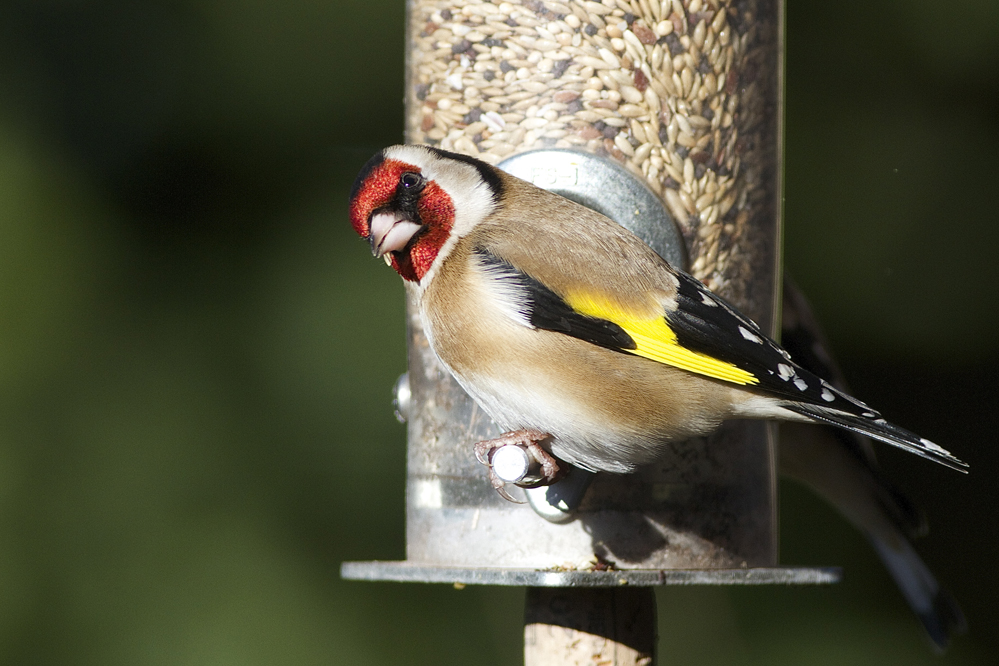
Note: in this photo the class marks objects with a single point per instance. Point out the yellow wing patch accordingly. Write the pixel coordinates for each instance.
(656, 340)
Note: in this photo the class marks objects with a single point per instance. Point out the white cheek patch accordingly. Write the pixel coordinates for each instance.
(472, 198)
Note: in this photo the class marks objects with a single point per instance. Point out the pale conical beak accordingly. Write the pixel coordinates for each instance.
(391, 232)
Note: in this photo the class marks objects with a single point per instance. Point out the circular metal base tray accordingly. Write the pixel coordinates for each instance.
(407, 572)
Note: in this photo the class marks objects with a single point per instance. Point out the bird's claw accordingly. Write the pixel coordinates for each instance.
(500, 486)
(548, 470)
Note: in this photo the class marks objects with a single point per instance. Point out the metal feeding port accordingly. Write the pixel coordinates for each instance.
(607, 188)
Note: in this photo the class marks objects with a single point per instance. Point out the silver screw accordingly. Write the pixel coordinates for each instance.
(401, 397)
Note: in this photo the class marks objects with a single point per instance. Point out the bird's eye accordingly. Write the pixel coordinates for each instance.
(411, 179)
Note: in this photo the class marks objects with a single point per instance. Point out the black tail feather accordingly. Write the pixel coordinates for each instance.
(881, 430)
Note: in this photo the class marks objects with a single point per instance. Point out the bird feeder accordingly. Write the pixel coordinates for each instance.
(666, 117)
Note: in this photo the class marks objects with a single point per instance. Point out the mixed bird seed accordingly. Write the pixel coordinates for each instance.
(682, 92)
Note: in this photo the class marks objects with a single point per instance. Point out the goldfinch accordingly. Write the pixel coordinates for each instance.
(569, 331)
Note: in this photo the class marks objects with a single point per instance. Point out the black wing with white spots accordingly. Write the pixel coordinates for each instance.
(706, 323)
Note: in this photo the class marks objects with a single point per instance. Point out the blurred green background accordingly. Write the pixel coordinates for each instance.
(196, 355)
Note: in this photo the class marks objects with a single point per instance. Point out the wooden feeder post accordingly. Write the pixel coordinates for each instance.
(577, 627)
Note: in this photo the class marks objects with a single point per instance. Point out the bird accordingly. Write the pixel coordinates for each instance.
(584, 345)
(840, 466)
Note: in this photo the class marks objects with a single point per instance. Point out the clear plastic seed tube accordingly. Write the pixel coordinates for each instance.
(685, 94)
